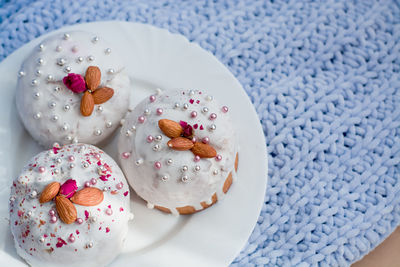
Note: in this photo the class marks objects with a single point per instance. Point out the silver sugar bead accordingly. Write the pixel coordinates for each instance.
(37, 116)
(61, 61)
(36, 95)
(205, 110)
(79, 59)
(67, 69)
(158, 138)
(56, 171)
(41, 47)
(138, 162)
(185, 106)
(128, 133)
(133, 128)
(99, 108)
(34, 82)
(191, 92)
(176, 105)
(64, 127)
(40, 61)
(90, 58)
(21, 73)
(72, 165)
(213, 127)
(169, 161)
(52, 104)
(107, 51)
(89, 245)
(98, 132)
(33, 194)
(57, 88)
(85, 165)
(95, 39)
(156, 147)
(66, 36)
(58, 48)
(54, 118)
(68, 138)
(109, 124)
(111, 71)
(209, 98)
(58, 160)
(197, 168)
(184, 168)
(105, 189)
(75, 140)
(146, 111)
(164, 178)
(185, 178)
(215, 172)
(41, 239)
(67, 107)
(38, 73)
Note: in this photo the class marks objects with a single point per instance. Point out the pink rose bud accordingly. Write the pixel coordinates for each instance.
(68, 188)
(75, 82)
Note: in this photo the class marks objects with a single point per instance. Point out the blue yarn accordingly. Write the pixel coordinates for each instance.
(324, 78)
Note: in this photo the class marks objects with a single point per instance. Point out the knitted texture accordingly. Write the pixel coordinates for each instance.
(324, 79)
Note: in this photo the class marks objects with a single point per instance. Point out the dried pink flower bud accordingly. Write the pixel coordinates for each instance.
(68, 188)
(75, 82)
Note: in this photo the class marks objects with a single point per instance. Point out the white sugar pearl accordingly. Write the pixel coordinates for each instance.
(33, 194)
(41, 239)
(85, 165)
(169, 161)
(164, 178)
(21, 73)
(67, 69)
(34, 82)
(52, 104)
(111, 71)
(40, 61)
(37, 116)
(158, 138)
(205, 110)
(213, 127)
(107, 51)
(215, 172)
(185, 178)
(54, 118)
(67, 107)
(95, 39)
(66, 36)
(109, 124)
(58, 48)
(98, 132)
(38, 73)
(61, 61)
(68, 138)
(209, 98)
(176, 105)
(184, 168)
(139, 162)
(56, 89)
(191, 92)
(36, 95)
(156, 147)
(99, 108)
(65, 127)
(90, 58)
(185, 106)
(197, 168)
(79, 59)
(41, 47)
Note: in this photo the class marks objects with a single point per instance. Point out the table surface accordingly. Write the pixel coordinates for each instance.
(385, 255)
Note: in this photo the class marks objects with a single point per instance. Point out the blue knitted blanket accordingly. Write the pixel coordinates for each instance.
(324, 78)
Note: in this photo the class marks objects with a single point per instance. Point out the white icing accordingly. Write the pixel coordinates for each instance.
(173, 192)
(106, 245)
(45, 111)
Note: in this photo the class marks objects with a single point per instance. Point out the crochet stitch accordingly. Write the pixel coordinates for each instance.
(324, 79)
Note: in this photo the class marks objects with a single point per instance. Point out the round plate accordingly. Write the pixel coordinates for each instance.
(155, 58)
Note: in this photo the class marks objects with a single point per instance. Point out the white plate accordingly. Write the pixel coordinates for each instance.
(156, 58)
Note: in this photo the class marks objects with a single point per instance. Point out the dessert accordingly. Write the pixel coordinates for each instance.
(70, 206)
(178, 150)
(72, 88)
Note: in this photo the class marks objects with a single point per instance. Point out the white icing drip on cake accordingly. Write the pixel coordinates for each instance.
(100, 236)
(49, 110)
(166, 177)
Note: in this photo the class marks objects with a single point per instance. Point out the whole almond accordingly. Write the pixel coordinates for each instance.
(102, 95)
(89, 196)
(180, 143)
(66, 210)
(49, 192)
(92, 78)
(204, 150)
(170, 128)
(87, 104)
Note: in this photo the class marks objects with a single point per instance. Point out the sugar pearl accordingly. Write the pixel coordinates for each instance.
(98, 132)
(54, 118)
(93, 219)
(191, 92)
(71, 239)
(176, 105)
(109, 212)
(79, 220)
(149, 139)
(205, 140)
(215, 172)
(100, 109)
(52, 212)
(107, 51)
(196, 158)
(139, 162)
(105, 189)
(159, 111)
(209, 98)
(205, 110)
(38, 73)
(213, 116)
(64, 127)
(36, 95)
(21, 73)
(58, 160)
(225, 109)
(194, 139)
(90, 245)
(85, 165)
(74, 49)
(34, 82)
(146, 111)
(169, 161)
(53, 219)
(164, 178)
(41, 47)
(158, 138)
(213, 127)
(157, 165)
(66, 36)
(41, 239)
(93, 181)
(185, 178)
(90, 58)
(111, 71)
(152, 98)
(156, 147)
(33, 194)
(95, 39)
(109, 124)
(56, 89)
(218, 158)
(61, 61)
(141, 119)
(41, 169)
(120, 185)
(185, 106)
(126, 155)
(79, 59)
(197, 168)
(193, 114)
(184, 168)
(56, 171)
(58, 48)
(29, 213)
(87, 184)
(71, 158)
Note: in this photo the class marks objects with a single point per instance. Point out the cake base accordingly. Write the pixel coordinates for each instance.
(190, 209)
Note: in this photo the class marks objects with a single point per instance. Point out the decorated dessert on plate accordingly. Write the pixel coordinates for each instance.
(70, 206)
(72, 88)
(178, 150)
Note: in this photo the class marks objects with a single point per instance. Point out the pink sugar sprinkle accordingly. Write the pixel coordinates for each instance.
(191, 101)
(103, 178)
(77, 232)
(196, 126)
(107, 229)
(20, 213)
(183, 123)
(121, 209)
(86, 215)
(60, 242)
(198, 102)
(126, 193)
(109, 206)
(201, 127)
(99, 163)
(55, 149)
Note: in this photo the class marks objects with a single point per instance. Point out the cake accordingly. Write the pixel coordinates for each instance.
(70, 206)
(72, 88)
(178, 150)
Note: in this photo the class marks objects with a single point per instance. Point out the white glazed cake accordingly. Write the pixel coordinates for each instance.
(178, 150)
(70, 206)
(51, 87)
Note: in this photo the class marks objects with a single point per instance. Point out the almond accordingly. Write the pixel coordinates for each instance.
(170, 128)
(89, 196)
(87, 104)
(180, 143)
(49, 192)
(102, 95)
(204, 150)
(92, 78)
(66, 210)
